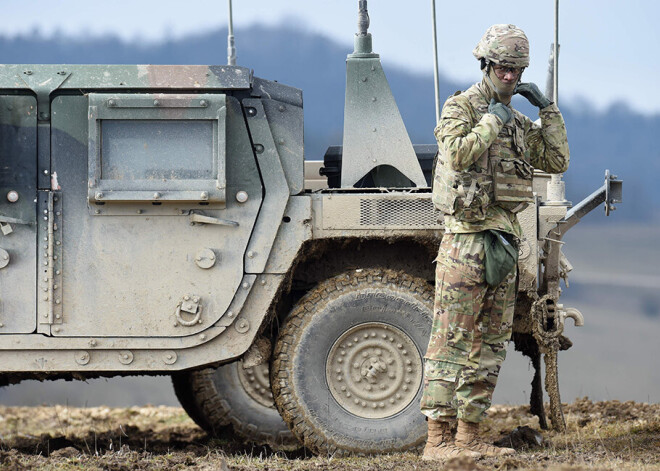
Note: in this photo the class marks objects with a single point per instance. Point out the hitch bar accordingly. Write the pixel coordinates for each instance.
(611, 192)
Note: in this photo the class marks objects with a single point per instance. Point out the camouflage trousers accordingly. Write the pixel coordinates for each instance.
(472, 325)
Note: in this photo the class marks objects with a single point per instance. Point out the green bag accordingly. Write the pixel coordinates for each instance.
(501, 256)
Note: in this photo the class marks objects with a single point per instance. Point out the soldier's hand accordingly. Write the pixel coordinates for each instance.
(501, 111)
(533, 94)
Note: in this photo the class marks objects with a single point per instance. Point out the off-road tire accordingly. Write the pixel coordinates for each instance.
(183, 390)
(216, 399)
(318, 335)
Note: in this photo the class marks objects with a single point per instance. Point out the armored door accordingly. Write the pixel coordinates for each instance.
(157, 195)
(18, 193)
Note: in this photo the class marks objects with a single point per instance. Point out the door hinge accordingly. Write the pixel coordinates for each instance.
(49, 273)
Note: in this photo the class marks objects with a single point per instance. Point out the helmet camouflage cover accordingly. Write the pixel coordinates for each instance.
(504, 45)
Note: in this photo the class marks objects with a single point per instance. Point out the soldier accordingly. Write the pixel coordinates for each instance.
(483, 177)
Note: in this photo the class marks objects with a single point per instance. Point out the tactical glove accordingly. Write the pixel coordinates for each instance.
(533, 94)
(501, 111)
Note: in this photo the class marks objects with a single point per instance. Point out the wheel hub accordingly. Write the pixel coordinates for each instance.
(256, 383)
(374, 370)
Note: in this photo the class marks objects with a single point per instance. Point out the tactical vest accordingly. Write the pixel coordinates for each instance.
(500, 176)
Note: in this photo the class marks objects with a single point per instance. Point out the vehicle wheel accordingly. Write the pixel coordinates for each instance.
(233, 398)
(184, 393)
(348, 364)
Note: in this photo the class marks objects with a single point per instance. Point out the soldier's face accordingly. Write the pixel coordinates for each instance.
(504, 79)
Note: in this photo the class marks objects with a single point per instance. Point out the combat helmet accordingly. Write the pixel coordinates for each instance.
(503, 45)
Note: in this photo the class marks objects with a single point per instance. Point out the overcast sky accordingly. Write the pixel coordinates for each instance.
(608, 47)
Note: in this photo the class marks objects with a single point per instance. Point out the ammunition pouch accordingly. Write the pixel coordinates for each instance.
(513, 183)
(465, 195)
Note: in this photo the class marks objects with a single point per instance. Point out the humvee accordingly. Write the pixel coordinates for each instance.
(157, 220)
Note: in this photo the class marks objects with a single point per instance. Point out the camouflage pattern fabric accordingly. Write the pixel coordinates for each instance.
(472, 321)
(466, 135)
(505, 45)
(472, 324)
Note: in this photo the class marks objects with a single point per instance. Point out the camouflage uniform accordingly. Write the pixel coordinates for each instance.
(472, 320)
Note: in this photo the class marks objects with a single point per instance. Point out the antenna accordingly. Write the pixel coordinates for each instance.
(231, 48)
(555, 58)
(436, 74)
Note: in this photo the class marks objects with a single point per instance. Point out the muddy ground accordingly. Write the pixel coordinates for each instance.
(603, 435)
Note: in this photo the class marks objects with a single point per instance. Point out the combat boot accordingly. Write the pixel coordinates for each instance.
(440, 443)
(467, 437)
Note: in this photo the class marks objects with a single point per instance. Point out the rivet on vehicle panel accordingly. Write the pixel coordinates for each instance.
(241, 196)
(45, 172)
(186, 298)
(156, 195)
(373, 99)
(251, 111)
(111, 103)
(250, 254)
(230, 314)
(156, 103)
(203, 103)
(204, 195)
(195, 300)
(364, 79)
(245, 285)
(58, 213)
(202, 337)
(1, 324)
(46, 263)
(12, 196)
(92, 343)
(55, 286)
(282, 108)
(374, 129)
(139, 211)
(58, 243)
(57, 272)
(57, 329)
(58, 316)
(99, 195)
(281, 142)
(258, 148)
(263, 282)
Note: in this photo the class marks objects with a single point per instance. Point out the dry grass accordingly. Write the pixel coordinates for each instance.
(601, 436)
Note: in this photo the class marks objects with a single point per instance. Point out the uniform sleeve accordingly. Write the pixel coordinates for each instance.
(460, 143)
(547, 143)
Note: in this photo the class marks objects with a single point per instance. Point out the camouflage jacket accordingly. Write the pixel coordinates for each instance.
(467, 135)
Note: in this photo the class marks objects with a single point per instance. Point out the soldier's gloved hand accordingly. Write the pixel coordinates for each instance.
(501, 111)
(533, 94)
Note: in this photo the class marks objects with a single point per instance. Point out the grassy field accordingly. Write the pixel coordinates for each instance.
(601, 436)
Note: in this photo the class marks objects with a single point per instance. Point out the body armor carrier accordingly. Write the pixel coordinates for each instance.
(502, 175)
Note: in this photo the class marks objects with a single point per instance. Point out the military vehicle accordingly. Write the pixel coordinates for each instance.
(156, 220)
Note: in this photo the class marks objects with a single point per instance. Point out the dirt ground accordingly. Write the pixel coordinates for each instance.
(601, 436)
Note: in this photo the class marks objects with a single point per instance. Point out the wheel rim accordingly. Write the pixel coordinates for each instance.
(256, 383)
(374, 370)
